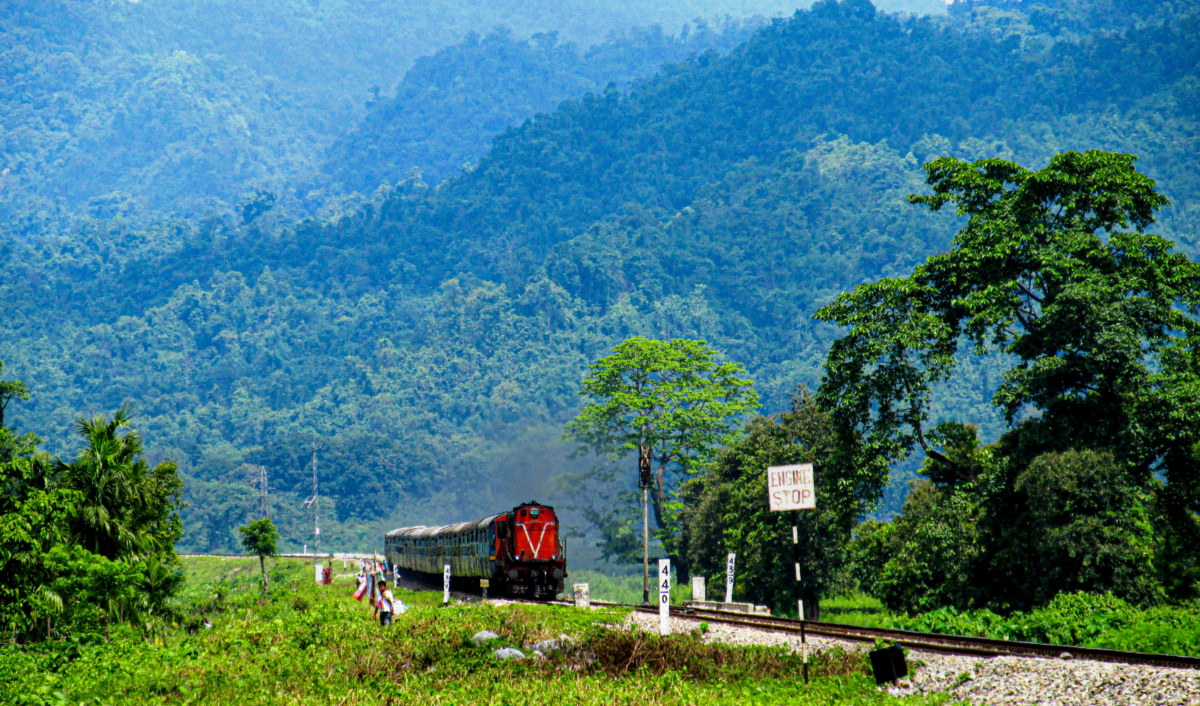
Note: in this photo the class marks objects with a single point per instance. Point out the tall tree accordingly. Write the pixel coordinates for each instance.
(1054, 268)
(126, 508)
(673, 397)
(260, 537)
(9, 391)
(726, 510)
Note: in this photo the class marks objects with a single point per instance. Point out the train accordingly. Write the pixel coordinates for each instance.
(519, 552)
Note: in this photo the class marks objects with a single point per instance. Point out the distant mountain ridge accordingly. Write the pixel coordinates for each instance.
(435, 336)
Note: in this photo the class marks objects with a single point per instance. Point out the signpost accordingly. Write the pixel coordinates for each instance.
(446, 585)
(484, 584)
(729, 562)
(792, 488)
(664, 596)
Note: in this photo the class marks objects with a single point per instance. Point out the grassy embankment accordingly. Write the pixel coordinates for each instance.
(310, 644)
(1071, 619)
(625, 589)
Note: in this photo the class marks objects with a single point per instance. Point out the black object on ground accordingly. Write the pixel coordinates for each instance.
(888, 664)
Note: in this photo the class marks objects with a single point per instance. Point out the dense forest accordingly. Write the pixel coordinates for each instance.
(174, 107)
(432, 334)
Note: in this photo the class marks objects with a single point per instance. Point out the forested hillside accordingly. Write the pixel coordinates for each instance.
(450, 105)
(180, 106)
(433, 339)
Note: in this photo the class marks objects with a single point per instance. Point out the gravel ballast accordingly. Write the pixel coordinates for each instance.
(993, 680)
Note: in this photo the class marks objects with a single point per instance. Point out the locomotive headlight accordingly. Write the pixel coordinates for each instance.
(512, 573)
(558, 574)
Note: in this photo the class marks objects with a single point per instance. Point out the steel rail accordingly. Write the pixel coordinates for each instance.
(925, 641)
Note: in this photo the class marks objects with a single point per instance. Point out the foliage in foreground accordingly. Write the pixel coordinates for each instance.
(1070, 619)
(90, 542)
(313, 644)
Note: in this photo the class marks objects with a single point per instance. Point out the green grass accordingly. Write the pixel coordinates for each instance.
(854, 609)
(1070, 619)
(316, 645)
(626, 589)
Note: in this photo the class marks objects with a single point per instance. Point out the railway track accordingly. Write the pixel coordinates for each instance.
(919, 641)
(923, 641)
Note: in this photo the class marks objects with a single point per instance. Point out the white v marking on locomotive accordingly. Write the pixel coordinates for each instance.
(537, 550)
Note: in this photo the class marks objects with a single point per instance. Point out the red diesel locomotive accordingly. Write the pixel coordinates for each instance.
(519, 552)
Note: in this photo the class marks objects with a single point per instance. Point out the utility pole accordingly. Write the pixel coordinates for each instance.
(645, 478)
(262, 483)
(316, 504)
(312, 502)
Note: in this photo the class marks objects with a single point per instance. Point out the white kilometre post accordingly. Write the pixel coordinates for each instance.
(698, 589)
(582, 596)
(664, 596)
(729, 566)
(446, 585)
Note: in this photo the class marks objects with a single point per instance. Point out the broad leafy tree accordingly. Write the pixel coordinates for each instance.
(10, 390)
(673, 396)
(86, 543)
(261, 538)
(726, 510)
(1055, 270)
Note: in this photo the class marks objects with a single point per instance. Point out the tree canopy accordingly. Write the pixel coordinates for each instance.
(260, 537)
(674, 397)
(433, 332)
(89, 543)
(1094, 316)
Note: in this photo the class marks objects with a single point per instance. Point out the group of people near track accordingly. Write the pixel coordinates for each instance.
(371, 586)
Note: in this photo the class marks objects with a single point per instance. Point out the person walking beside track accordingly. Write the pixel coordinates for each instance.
(387, 606)
(361, 583)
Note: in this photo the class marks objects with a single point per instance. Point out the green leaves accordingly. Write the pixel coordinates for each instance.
(9, 391)
(671, 395)
(879, 376)
(125, 508)
(260, 537)
(1044, 272)
(1055, 270)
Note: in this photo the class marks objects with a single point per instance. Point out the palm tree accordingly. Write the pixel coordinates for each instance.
(116, 487)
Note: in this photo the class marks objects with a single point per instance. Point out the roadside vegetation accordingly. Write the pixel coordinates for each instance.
(311, 644)
(1083, 619)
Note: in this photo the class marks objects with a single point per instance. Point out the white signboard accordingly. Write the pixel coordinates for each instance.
(729, 562)
(698, 588)
(664, 596)
(446, 584)
(791, 487)
(320, 573)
